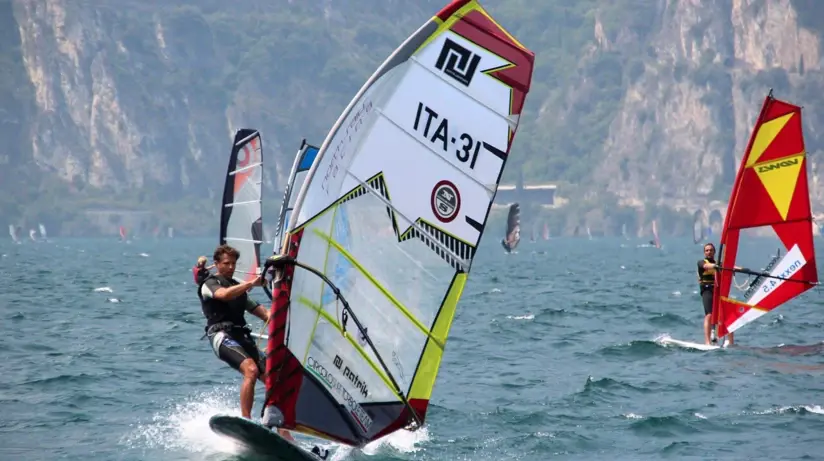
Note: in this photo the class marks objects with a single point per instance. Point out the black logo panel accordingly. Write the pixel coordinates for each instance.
(457, 62)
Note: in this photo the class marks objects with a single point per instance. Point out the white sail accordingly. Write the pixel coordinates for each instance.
(420, 151)
(240, 218)
(304, 159)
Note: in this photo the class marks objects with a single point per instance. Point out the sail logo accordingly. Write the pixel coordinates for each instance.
(777, 165)
(457, 62)
(445, 201)
(251, 154)
(790, 264)
(326, 378)
(351, 376)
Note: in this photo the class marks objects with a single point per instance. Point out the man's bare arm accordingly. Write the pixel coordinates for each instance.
(227, 294)
(261, 313)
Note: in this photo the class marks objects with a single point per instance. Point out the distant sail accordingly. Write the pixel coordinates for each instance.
(699, 226)
(545, 234)
(768, 214)
(512, 235)
(304, 159)
(42, 231)
(13, 233)
(123, 233)
(655, 240)
(420, 149)
(240, 217)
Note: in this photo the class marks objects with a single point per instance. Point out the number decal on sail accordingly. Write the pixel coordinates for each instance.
(466, 148)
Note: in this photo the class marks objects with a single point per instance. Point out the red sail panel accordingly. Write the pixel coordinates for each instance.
(770, 194)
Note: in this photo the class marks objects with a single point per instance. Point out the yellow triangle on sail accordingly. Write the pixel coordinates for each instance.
(780, 177)
(765, 136)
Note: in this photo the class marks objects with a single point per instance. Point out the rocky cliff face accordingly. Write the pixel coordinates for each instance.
(145, 96)
(103, 117)
(684, 124)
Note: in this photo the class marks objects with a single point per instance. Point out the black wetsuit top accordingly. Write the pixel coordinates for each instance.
(217, 311)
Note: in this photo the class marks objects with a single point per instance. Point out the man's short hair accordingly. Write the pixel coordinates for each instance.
(226, 250)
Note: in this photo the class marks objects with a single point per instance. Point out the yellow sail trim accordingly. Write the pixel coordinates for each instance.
(325, 265)
(424, 379)
(740, 303)
(378, 285)
(456, 16)
(332, 321)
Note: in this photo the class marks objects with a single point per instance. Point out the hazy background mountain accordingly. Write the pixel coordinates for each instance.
(638, 107)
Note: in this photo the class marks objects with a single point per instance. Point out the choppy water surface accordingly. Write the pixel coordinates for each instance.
(552, 356)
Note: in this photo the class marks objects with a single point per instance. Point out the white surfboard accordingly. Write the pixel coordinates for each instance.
(667, 340)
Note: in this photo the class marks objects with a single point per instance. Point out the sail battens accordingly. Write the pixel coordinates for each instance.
(241, 222)
(451, 82)
(248, 167)
(235, 239)
(249, 135)
(422, 142)
(248, 202)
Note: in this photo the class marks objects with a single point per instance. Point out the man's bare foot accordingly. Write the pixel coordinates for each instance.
(286, 435)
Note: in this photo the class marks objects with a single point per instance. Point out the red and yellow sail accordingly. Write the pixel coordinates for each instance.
(770, 192)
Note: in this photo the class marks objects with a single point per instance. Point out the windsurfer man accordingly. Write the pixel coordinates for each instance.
(224, 302)
(706, 281)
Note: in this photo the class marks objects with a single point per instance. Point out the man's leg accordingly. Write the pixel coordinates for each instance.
(250, 373)
(706, 300)
(707, 329)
